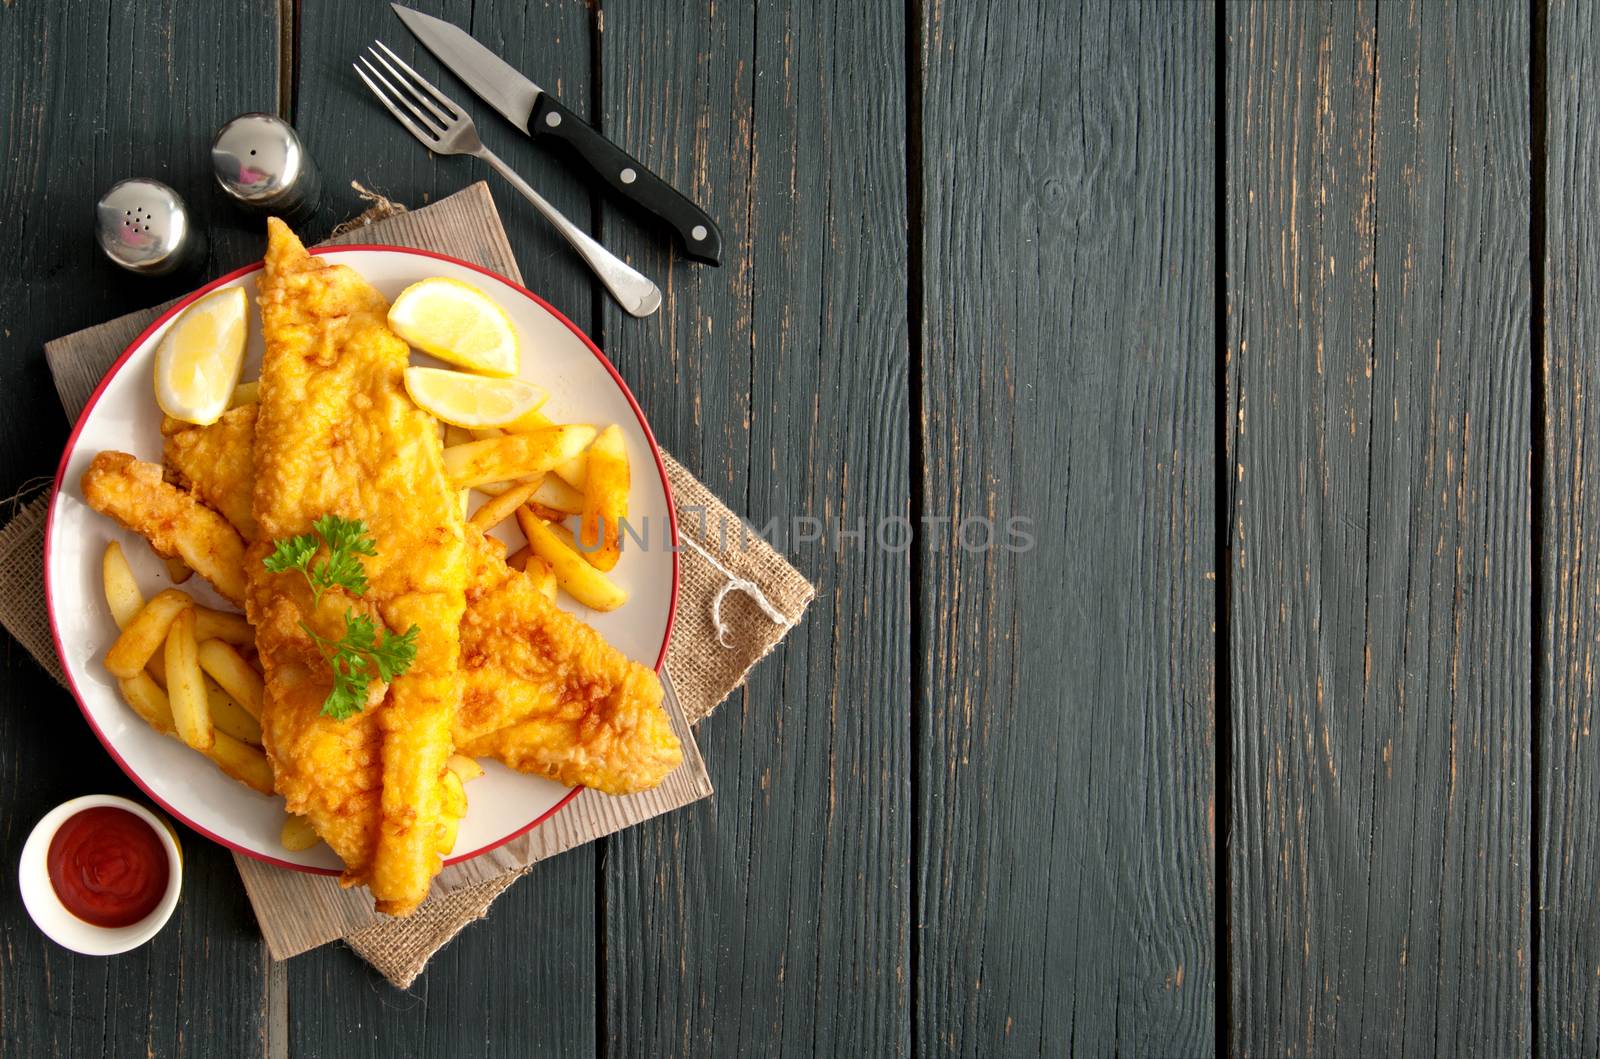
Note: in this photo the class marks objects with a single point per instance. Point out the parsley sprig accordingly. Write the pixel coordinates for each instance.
(353, 657)
(344, 539)
(362, 652)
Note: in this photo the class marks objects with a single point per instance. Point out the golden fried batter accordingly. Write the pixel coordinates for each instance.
(544, 693)
(337, 434)
(175, 523)
(218, 464)
(499, 669)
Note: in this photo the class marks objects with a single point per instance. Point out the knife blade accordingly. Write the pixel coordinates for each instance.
(543, 117)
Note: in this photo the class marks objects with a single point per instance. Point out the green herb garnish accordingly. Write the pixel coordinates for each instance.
(355, 656)
(344, 539)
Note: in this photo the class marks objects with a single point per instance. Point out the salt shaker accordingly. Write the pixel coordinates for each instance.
(144, 226)
(261, 163)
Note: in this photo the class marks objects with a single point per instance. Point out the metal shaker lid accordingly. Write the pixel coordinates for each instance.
(144, 226)
(260, 161)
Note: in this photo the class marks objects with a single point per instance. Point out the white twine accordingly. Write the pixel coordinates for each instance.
(735, 583)
(24, 494)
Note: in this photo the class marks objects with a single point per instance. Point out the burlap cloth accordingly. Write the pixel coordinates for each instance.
(703, 671)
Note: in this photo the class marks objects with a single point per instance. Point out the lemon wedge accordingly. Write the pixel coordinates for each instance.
(472, 401)
(198, 360)
(458, 323)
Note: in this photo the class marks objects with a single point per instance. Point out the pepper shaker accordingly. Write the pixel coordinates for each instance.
(144, 226)
(261, 163)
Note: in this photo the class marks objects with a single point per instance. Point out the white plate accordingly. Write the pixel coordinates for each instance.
(122, 415)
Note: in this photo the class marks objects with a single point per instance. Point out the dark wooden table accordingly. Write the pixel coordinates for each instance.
(1278, 321)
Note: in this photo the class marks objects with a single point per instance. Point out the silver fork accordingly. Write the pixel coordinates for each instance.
(444, 128)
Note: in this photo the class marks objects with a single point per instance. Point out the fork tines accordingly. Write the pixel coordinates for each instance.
(429, 113)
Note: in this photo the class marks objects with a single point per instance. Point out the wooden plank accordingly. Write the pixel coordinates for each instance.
(1567, 1021)
(91, 93)
(95, 93)
(775, 919)
(1065, 877)
(1378, 432)
(527, 978)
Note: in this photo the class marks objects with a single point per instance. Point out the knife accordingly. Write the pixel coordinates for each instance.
(542, 116)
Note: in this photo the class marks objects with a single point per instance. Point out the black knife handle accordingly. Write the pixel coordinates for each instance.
(701, 238)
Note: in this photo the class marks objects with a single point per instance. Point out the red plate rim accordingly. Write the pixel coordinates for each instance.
(116, 368)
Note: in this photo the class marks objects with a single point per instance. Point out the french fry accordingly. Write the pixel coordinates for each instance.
(298, 834)
(228, 716)
(549, 514)
(555, 494)
(605, 499)
(464, 497)
(222, 625)
(583, 582)
(514, 456)
(454, 808)
(518, 560)
(122, 591)
(464, 767)
(228, 668)
(565, 535)
(148, 701)
(186, 685)
(454, 435)
(145, 633)
(241, 761)
(575, 472)
(449, 828)
(245, 393)
(237, 760)
(455, 795)
(178, 570)
(545, 575)
(125, 601)
(532, 419)
(497, 510)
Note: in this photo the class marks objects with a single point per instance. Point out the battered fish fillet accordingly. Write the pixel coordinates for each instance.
(218, 464)
(546, 694)
(543, 692)
(337, 434)
(175, 523)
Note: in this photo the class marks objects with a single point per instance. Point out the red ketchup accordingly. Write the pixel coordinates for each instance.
(108, 867)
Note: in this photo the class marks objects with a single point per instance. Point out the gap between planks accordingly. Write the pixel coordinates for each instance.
(1537, 160)
(918, 460)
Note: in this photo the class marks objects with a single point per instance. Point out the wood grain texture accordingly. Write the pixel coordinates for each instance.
(967, 808)
(775, 918)
(528, 979)
(94, 93)
(1567, 1021)
(91, 93)
(1379, 432)
(1065, 877)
